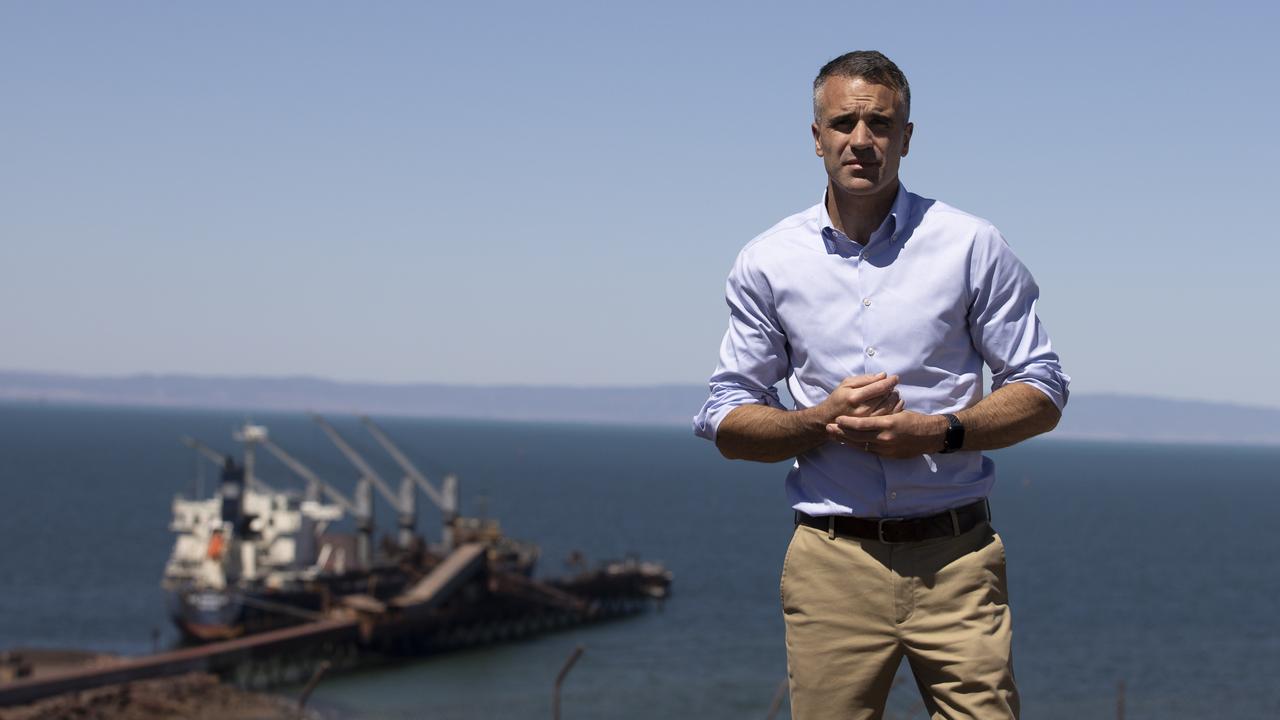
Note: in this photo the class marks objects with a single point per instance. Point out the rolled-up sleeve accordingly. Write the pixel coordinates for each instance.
(1003, 322)
(753, 354)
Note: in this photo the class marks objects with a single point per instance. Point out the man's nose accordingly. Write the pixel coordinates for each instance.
(861, 136)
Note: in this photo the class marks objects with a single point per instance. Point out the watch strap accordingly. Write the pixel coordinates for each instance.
(954, 438)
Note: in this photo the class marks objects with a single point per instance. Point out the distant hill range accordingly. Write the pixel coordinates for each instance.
(1100, 417)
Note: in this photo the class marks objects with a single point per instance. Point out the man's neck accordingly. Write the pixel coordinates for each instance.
(858, 216)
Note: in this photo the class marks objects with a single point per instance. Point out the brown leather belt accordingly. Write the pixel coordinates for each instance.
(948, 523)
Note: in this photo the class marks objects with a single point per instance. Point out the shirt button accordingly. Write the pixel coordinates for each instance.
(893, 496)
(871, 351)
(866, 302)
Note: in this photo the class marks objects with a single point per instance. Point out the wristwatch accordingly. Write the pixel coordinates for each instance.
(954, 439)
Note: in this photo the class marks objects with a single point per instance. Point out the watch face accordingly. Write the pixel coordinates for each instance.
(955, 434)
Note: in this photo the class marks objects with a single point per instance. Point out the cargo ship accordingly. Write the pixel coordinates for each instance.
(252, 558)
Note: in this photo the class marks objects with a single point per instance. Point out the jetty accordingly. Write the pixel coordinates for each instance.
(464, 600)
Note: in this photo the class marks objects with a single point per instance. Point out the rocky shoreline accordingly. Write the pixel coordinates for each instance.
(196, 696)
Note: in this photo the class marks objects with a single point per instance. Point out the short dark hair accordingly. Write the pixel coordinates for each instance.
(869, 65)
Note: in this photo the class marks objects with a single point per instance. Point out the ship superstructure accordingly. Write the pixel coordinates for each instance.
(253, 557)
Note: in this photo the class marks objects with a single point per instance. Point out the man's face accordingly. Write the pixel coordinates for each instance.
(861, 133)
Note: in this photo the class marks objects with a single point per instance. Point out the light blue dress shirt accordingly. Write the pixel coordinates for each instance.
(934, 295)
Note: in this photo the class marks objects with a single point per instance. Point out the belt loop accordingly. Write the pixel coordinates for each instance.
(831, 527)
(987, 500)
(795, 517)
(955, 522)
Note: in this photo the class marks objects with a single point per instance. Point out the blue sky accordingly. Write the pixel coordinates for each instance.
(554, 192)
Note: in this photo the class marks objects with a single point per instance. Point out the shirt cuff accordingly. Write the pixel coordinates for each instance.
(1052, 384)
(723, 399)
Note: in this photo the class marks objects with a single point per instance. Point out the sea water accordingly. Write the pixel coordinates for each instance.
(1151, 565)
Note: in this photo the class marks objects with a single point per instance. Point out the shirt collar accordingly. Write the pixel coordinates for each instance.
(834, 240)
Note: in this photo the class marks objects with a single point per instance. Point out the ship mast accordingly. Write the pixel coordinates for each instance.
(250, 435)
(220, 460)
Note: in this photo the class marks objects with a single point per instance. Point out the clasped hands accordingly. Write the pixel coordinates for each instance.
(866, 412)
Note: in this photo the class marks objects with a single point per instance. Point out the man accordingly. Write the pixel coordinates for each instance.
(879, 308)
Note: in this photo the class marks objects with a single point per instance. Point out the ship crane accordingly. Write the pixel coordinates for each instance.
(404, 502)
(361, 508)
(315, 485)
(445, 498)
(406, 514)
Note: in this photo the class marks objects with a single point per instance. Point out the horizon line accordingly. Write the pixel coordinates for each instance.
(531, 386)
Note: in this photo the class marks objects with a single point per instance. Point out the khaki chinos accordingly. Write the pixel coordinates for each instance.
(854, 608)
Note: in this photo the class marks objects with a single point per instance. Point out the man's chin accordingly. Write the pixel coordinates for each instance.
(861, 187)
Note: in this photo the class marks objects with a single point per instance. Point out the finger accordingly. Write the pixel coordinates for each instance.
(877, 406)
(902, 405)
(857, 381)
(864, 441)
(888, 405)
(849, 423)
(875, 390)
(850, 437)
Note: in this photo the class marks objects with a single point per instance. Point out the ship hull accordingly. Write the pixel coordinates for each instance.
(206, 615)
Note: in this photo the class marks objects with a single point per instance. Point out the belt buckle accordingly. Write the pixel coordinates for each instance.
(880, 530)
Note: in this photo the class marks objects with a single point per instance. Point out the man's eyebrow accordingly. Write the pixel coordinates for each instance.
(853, 115)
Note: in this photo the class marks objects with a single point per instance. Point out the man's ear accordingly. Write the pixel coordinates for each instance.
(817, 146)
(906, 138)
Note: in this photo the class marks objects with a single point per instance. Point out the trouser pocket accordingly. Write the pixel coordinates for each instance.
(782, 581)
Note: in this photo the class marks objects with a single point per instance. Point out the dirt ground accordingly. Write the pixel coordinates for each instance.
(196, 696)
